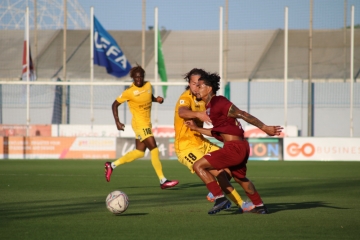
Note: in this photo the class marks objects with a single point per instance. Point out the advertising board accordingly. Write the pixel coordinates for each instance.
(322, 149)
(57, 148)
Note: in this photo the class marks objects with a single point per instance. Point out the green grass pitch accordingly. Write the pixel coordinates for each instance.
(60, 199)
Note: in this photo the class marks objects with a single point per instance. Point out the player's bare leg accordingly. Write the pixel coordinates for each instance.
(223, 178)
(201, 168)
(254, 196)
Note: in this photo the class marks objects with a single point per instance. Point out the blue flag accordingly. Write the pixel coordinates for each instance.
(107, 52)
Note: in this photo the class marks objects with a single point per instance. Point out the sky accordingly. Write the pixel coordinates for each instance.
(204, 14)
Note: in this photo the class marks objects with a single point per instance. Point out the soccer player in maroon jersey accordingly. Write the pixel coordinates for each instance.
(236, 149)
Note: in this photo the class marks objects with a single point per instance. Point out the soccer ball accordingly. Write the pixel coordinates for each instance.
(117, 202)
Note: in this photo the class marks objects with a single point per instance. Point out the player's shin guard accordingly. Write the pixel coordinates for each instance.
(155, 161)
(235, 197)
(129, 157)
(215, 189)
(255, 198)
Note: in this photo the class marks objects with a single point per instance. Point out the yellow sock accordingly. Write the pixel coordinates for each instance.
(155, 161)
(129, 157)
(235, 197)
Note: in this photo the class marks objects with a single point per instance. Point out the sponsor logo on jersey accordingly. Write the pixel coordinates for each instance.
(137, 92)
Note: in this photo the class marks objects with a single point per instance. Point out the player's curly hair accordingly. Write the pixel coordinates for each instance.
(194, 71)
(136, 69)
(212, 80)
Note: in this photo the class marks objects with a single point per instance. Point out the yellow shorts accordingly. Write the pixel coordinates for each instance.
(143, 133)
(189, 156)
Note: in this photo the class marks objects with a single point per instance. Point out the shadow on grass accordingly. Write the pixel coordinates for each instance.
(48, 208)
(178, 187)
(277, 207)
(130, 214)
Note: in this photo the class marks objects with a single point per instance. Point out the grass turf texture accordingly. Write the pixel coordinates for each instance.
(43, 199)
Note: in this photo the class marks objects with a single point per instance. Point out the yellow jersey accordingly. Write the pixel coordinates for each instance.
(185, 138)
(140, 101)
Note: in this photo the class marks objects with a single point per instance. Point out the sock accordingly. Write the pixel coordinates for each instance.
(155, 161)
(235, 197)
(215, 189)
(256, 199)
(129, 157)
(163, 180)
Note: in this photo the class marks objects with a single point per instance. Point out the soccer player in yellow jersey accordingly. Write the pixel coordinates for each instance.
(139, 97)
(190, 145)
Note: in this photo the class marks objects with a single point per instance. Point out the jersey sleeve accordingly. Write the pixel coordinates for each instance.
(124, 97)
(184, 101)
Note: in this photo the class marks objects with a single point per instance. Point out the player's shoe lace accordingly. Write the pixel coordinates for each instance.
(210, 197)
(260, 210)
(108, 171)
(169, 184)
(220, 204)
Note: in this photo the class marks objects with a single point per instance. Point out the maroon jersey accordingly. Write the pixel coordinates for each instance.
(218, 109)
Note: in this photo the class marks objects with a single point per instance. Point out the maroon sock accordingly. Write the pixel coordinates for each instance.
(255, 198)
(214, 188)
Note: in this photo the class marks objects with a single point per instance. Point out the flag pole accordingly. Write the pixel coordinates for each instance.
(286, 69)
(352, 72)
(156, 61)
(221, 49)
(64, 93)
(143, 33)
(92, 66)
(27, 73)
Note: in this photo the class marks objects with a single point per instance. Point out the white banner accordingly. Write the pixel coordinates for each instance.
(65, 130)
(323, 149)
(251, 131)
(105, 131)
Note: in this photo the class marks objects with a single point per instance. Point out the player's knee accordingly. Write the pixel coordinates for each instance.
(197, 166)
(201, 164)
(139, 154)
(244, 180)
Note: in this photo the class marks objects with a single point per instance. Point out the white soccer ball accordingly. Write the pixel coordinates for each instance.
(117, 202)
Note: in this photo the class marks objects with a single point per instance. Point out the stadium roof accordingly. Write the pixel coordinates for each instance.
(257, 54)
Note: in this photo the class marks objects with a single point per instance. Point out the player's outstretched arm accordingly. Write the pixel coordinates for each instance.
(237, 113)
(114, 107)
(157, 99)
(186, 113)
(206, 131)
